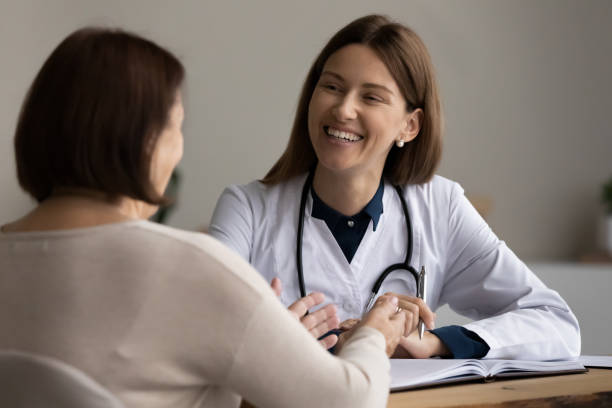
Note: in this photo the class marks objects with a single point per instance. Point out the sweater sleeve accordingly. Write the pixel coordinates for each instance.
(254, 346)
(279, 364)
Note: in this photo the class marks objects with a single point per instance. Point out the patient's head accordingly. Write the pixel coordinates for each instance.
(104, 113)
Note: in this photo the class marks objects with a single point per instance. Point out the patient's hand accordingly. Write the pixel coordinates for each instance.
(317, 323)
(346, 327)
(388, 318)
(411, 346)
(348, 324)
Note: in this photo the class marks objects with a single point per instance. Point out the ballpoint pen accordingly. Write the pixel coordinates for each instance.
(421, 293)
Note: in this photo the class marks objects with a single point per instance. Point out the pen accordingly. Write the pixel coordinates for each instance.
(421, 293)
(371, 300)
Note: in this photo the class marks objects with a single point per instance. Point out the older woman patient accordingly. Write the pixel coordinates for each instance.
(159, 316)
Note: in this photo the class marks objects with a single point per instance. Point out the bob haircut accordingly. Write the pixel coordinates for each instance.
(93, 114)
(407, 59)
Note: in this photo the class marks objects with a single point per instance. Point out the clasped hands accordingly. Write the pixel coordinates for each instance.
(395, 316)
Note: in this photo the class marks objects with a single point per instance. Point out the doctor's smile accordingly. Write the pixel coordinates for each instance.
(345, 136)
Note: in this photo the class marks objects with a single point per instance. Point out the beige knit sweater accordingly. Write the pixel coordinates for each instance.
(168, 318)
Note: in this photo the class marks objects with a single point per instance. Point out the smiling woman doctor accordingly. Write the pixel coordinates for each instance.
(355, 192)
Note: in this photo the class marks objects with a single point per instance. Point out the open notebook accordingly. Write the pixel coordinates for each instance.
(406, 373)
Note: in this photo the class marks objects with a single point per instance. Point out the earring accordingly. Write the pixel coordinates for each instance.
(399, 143)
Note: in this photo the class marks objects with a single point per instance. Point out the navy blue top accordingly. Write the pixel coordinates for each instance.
(349, 231)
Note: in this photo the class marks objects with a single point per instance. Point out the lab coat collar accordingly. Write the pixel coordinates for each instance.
(372, 210)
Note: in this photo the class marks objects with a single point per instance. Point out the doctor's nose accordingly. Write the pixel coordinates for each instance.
(345, 108)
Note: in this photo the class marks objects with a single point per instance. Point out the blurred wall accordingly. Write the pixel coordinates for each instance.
(526, 89)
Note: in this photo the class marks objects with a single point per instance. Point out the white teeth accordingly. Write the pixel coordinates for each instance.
(338, 134)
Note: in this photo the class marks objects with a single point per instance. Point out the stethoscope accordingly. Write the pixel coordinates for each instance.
(391, 268)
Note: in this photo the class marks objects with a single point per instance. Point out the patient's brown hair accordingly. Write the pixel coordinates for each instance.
(93, 115)
(408, 61)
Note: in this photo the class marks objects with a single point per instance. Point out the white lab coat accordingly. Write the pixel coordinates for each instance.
(468, 267)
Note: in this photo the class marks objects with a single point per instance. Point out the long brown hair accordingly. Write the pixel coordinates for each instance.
(408, 61)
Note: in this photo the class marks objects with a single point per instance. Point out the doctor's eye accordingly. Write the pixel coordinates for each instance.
(373, 98)
(330, 87)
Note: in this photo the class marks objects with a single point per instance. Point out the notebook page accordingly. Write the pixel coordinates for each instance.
(497, 367)
(407, 373)
(596, 361)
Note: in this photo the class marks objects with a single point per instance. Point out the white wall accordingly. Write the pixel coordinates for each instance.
(526, 89)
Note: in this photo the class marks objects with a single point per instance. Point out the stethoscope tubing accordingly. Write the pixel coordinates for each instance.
(300, 233)
(398, 266)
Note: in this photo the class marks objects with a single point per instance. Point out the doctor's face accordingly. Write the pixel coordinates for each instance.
(357, 113)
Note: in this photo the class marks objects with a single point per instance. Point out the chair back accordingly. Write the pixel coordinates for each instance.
(32, 381)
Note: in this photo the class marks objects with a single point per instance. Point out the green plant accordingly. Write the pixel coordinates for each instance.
(162, 214)
(606, 196)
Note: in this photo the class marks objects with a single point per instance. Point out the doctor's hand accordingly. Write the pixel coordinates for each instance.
(413, 347)
(387, 317)
(317, 323)
(418, 306)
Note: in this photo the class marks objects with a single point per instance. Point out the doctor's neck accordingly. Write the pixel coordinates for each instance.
(346, 192)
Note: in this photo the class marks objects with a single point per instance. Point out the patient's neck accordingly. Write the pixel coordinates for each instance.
(80, 209)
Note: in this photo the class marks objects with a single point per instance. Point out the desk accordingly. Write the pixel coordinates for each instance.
(591, 389)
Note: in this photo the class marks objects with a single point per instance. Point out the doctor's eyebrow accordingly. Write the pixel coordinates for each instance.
(370, 85)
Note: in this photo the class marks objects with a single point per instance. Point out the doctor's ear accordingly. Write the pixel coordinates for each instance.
(412, 125)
